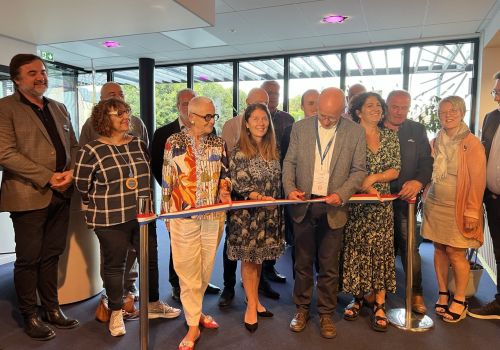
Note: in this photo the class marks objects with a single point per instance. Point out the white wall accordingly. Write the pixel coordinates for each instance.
(9, 47)
(6, 236)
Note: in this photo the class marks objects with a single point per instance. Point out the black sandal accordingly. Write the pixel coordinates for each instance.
(442, 306)
(456, 317)
(355, 307)
(375, 319)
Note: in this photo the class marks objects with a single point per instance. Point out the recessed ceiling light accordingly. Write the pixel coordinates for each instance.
(111, 44)
(334, 19)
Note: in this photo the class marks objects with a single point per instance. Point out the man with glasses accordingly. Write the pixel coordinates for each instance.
(490, 137)
(416, 172)
(138, 129)
(157, 152)
(37, 152)
(326, 158)
(309, 105)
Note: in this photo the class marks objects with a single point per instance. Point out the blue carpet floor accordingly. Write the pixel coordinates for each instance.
(273, 333)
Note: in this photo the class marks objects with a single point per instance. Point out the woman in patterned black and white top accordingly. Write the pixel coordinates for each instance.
(110, 173)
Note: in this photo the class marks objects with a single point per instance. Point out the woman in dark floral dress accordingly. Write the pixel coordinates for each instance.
(369, 234)
(255, 234)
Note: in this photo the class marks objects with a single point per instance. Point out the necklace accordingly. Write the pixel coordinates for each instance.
(131, 182)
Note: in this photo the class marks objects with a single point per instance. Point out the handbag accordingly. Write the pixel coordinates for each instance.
(103, 313)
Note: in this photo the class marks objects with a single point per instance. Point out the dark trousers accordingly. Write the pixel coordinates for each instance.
(40, 237)
(115, 241)
(230, 267)
(311, 235)
(401, 239)
(493, 214)
(131, 269)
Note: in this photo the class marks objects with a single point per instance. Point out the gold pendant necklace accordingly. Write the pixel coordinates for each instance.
(131, 182)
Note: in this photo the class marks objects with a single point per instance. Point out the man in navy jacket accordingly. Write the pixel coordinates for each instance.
(416, 172)
(490, 138)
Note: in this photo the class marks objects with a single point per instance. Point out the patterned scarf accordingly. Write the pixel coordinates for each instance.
(441, 145)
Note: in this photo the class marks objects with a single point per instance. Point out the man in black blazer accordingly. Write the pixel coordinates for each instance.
(157, 149)
(490, 137)
(416, 172)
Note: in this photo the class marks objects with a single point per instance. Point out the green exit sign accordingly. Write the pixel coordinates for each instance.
(47, 56)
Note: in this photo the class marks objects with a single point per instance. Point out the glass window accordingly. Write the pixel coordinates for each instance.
(253, 73)
(216, 81)
(380, 71)
(129, 81)
(89, 89)
(168, 81)
(440, 71)
(311, 72)
(63, 88)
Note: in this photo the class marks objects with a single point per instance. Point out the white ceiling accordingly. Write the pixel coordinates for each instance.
(74, 31)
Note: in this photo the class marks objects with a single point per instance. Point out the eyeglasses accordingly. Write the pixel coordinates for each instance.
(120, 113)
(495, 93)
(207, 117)
(452, 111)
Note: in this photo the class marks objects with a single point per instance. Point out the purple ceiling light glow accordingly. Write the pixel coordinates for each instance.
(334, 19)
(111, 44)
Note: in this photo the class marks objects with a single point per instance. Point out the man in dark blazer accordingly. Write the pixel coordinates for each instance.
(415, 174)
(37, 152)
(157, 150)
(490, 136)
(326, 157)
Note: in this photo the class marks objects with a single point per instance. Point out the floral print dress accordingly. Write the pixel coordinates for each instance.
(368, 256)
(255, 234)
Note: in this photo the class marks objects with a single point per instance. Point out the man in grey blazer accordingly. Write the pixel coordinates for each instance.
(326, 158)
(37, 153)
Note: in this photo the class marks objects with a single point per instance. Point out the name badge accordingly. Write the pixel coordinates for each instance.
(320, 185)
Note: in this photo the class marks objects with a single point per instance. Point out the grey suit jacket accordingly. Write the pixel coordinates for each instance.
(347, 166)
(28, 155)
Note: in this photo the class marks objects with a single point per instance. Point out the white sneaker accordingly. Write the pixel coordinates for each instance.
(116, 325)
(159, 309)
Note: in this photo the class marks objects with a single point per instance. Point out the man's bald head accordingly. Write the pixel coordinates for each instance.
(257, 95)
(355, 90)
(331, 105)
(112, 90)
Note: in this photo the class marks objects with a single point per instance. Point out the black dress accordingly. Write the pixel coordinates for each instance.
(255, 234)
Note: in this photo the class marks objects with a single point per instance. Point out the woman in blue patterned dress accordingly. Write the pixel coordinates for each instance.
(255, 234)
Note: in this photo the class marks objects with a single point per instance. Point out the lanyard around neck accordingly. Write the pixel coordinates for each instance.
(323, 154)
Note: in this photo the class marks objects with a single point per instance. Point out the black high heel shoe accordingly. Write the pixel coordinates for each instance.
(265, 313)
(251, 327)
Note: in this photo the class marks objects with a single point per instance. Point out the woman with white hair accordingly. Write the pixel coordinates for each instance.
(195, 174)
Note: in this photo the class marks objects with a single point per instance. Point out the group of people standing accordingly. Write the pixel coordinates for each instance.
(334, 152)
